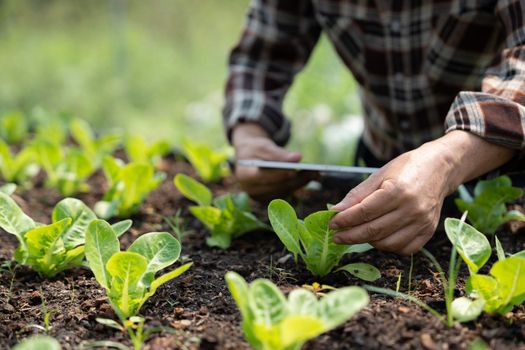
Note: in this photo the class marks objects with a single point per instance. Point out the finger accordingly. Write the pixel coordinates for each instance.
(404, 241)
(270, 151)
(374, 230)
(377, 204)
(255, 176)
(360, 192)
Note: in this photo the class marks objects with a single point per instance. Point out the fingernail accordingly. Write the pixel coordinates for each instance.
(337, 206)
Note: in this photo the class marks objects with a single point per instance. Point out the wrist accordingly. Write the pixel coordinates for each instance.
(244, 131)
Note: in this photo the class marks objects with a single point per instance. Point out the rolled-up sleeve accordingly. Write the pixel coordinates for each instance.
(276, 42)
(497, 112)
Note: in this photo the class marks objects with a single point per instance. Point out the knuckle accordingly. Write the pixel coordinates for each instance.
(372, 231)
(364, 212)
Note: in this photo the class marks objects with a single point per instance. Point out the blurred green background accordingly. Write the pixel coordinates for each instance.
(158, 67)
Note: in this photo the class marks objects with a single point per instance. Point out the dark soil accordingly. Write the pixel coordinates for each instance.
(197, 306)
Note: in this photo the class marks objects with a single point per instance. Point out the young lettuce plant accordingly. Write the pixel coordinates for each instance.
(504, 287)
(13, 127)
(129, 276)
(272, 322)
(228, 216)
(17, 168)
(50, 249)
(129, 185)
(312, 240)
(211, 165)
(139, 151)
(94, 148)
(487, 209)
(67, 169)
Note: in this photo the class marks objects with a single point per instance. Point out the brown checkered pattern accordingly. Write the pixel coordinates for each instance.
(424, 67)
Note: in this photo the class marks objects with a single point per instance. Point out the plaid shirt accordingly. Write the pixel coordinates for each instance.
(424, 67)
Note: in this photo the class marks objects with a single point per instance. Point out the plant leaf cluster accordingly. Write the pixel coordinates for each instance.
(129, 184)
(50, 249)
(504, 286)
(487, 210)
(138, 150)
(312, 240)
(227, 217)
(129, 276)
(211, 165)
(272, 322)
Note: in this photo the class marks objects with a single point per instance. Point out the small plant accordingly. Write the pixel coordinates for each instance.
(487, 209)
(50, 249)
(312, 240)
(94, 148)
(227, 216)
(211, 165)
(17, 168)
(139, 151)
(129, 276)
(129, 185)
(13, 127)
(38, 342)
(504, 288)
(272, 322)
(134, 326)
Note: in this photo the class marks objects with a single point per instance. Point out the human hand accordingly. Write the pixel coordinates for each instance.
(397, 208)
(252, 142)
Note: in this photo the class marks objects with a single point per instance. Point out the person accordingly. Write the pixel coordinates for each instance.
(443, 93)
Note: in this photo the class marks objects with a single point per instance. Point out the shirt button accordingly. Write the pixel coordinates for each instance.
(395, 26)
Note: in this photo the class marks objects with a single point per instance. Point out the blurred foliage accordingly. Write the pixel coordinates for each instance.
(154, 67)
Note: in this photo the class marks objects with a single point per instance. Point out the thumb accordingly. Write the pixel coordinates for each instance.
(360, 192)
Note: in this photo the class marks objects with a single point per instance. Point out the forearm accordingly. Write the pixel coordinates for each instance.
(468, 156)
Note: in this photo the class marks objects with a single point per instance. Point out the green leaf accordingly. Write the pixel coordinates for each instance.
(13, 220)
(485, 288)
(359, 248)
(39, 342)
(338, 306)
(472, 245)
(13, 127)
(160, 249)
(44, 240)
(499, 249)
(8, 188)
(267, 302)
(465, 309)
(302, 302)
(210, 164)
(193, 190)
(126, 293)
(166, 278)
(284, 221)
(80, 215)
(510, 274)
(363, 271)
(297, 329)
(209, 216)
(121, 227)
(101, 244)
(322, 254)
(489, 185)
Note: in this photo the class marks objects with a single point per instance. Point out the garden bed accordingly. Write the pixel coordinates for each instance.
(197, 306)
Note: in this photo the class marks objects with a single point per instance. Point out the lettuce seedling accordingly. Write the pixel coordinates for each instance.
(94, 148)
(504, 288)
(312, 240)
(139, 151)
(129, 184)
(13, 127)
(228, 216)
(50, 249)
(272, 322)
(38, 342)
(67, 170)
(129, 276)
(17, 168)
(487, 209)
(211, 165)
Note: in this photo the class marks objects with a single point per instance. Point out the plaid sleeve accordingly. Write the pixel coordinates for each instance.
(497, 113)
(277, 40)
